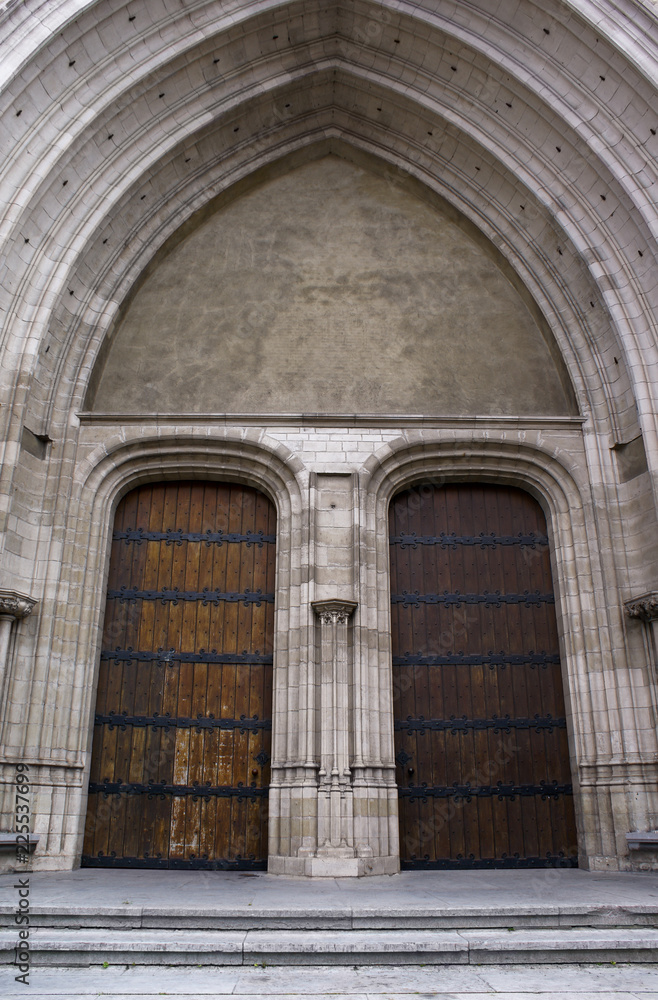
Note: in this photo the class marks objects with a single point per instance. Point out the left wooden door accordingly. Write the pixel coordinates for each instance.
(180, 757)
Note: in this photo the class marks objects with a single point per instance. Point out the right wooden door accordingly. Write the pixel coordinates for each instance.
(480, 730)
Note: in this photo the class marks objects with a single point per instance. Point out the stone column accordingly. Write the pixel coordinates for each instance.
(335, 819)
(13, 607)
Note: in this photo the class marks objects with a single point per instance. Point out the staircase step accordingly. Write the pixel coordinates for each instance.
(248, 918)
(126, 946)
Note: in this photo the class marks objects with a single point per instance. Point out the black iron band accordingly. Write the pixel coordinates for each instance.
(471, 863)
(446, 541)
(101, 860)
(546, 790)
(452, 725)
(495, 600)
(176, 536)
(205, 596)
(475, 659)
(155, 790)
(163, 657)
(118, 720)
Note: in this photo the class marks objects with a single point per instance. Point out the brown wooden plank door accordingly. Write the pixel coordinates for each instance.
(182, 731)
(480, 731)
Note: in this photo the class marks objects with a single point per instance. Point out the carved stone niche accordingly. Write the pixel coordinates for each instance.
(644, 607)
(13, 607)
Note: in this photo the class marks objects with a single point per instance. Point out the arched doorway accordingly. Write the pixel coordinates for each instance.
(180, 759)
(480, 730)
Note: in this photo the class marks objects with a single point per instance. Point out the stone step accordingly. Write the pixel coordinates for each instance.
(247, 918)
(95, 946)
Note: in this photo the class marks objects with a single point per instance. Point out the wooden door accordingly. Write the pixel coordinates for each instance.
(179, 774)
(480, 730)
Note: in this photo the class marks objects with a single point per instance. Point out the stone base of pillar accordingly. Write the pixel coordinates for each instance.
(331, 867)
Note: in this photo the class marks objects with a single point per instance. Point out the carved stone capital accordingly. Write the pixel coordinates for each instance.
(334, 612)
(15, 605)
(644, 607)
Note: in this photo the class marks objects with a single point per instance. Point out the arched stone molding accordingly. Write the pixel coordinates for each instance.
(61, 687)
(478, 36)
(614, 789)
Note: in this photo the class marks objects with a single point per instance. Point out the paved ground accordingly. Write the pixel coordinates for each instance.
(538, 982)
(196, 890)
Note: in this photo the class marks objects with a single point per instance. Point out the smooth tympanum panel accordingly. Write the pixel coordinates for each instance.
(180, 759)
(480, 729)
(331, 290)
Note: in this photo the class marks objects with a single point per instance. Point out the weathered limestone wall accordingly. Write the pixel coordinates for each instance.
(532, 125)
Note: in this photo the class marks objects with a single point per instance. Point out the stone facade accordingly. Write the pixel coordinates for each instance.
(502, 153)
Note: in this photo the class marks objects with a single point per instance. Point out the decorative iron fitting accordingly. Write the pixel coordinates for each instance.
(164, 657)
(193, 863)
(161, 790)
(545, 789)
(118, 720)
(412, 541)
(495, 600)
(176, 536)
(489, 659)
(471, 863)
(174, 595)
(452, 725)
(334, 612)
(644, 607)
(15, 605)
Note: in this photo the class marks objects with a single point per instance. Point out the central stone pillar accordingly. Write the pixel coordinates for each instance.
(335, 853)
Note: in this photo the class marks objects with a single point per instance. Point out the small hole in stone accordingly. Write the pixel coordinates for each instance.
(105, 240)
(430, 133)
(522, 207)
(454, 69)
(559, 149)
(71, 292)
(379, 109)
(72, 62)
(640, 253)
(132, 17)
(64, 183)
(27, 239)
(507, 104)
(615, 360)
(19, 113)
(601, 77)
(397, 41)
(592, 304)
(602, 197)
(143, 197)
(477, 168)
(237, 129)
(546, 31)
(162, 94)
(47, 349)
(111, 136)
(332, 505)
(287, 105)
(188, 159)
(274, 38)
(652, 130)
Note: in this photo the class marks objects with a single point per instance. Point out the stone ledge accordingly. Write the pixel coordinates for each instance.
(642, 841)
